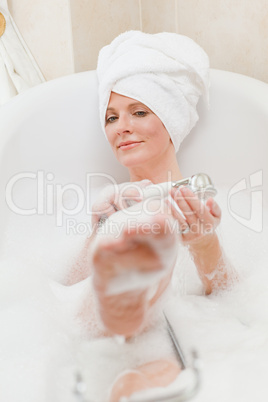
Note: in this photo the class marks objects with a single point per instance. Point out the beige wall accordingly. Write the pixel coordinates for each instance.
(66, 35)
(158, 15)
(234, 33)
(46, 28)
(95, 23)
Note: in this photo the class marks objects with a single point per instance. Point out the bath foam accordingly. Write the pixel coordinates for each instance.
(132, 279)
(183, 382)
(42, 345)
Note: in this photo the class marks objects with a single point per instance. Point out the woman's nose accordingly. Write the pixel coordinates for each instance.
(124, 125)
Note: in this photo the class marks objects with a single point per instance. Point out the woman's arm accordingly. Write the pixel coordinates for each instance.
(198, 233)
(111, 199)
(81, 269)
(210, 263)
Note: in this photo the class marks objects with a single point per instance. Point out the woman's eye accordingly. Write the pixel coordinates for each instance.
(141, 113)
(111, 119)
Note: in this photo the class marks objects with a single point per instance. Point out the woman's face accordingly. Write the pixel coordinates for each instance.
(136, 135)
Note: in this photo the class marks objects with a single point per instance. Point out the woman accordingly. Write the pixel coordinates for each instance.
(149, 86)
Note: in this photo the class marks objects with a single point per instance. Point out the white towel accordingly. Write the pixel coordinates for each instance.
(167, 72)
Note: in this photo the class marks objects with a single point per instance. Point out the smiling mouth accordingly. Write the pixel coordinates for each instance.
(128, 145)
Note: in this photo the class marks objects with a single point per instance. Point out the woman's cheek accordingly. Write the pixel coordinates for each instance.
(110, 138)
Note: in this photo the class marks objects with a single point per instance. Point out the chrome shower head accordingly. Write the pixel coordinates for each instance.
(200, 184)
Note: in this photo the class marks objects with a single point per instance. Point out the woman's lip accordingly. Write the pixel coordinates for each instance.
(129, 146)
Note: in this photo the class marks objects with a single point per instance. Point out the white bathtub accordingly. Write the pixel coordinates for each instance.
(54, 128)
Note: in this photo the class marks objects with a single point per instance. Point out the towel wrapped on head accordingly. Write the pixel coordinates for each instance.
(167, 72)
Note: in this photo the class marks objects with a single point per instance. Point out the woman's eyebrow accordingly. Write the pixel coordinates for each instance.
(130, 105)
(136, 103)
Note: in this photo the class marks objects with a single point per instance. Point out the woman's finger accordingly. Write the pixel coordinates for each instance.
(214, 208)
(184, 206)
(201, 210)
(201, 218)
(176, 214)
(101, 211)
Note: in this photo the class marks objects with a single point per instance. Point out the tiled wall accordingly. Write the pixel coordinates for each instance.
(66, 35)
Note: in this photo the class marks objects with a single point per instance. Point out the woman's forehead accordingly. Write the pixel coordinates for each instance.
(117, 100)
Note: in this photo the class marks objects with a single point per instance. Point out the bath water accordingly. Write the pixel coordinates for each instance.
(43, 342)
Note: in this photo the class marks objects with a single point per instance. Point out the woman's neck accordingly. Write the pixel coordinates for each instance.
(168, 170)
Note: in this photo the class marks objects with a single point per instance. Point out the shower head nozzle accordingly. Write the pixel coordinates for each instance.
(200, 184)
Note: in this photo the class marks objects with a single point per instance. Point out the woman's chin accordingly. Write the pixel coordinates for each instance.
(132, 161)
(132, 158)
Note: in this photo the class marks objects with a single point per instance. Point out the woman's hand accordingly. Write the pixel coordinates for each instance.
(198, 232)
(116, 197)
(200, 219)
